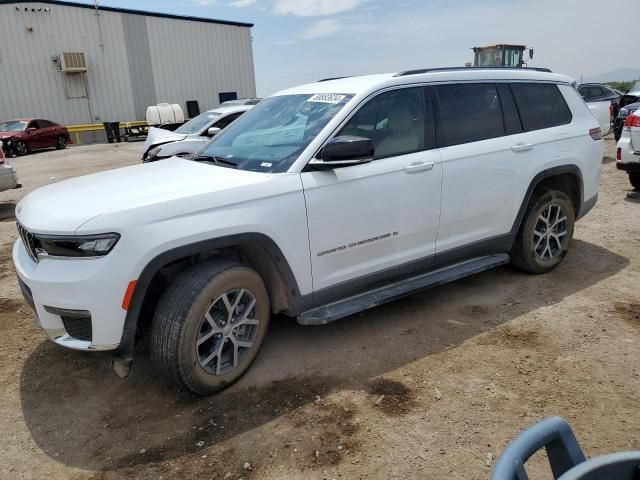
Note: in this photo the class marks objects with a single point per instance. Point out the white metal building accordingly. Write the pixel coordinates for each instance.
(133, 59)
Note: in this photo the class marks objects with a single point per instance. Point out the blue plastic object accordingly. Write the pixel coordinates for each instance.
(566, 458)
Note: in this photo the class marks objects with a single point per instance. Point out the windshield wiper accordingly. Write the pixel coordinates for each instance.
(216, 160)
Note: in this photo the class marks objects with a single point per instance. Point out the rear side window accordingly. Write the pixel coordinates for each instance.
(541, 105)
(468, 112)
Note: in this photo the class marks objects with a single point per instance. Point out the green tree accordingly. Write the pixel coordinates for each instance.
(622, 86)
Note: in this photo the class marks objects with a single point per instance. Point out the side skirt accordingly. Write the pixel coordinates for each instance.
(349, 306)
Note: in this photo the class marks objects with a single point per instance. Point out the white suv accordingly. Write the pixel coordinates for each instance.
(322, 201)
(628, 152)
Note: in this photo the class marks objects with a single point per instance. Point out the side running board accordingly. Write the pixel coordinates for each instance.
(349, 306)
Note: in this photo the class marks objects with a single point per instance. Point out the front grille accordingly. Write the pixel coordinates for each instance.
(29, 241)
(78, 327)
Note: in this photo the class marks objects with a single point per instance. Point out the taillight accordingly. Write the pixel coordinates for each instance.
(632, 121)
(596, 133)
(619, 154)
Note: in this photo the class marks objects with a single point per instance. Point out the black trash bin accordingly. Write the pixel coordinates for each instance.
(113, 131)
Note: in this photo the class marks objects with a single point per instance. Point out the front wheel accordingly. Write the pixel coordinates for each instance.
(209, 326)
(634, 178)
(61, 144)
(21, 148)
(545, 235)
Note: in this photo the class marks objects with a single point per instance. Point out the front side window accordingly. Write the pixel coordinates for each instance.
(226, 121)
(13, 126)
(469, 112)
(271, 136)
(197, 123)
(541, 105)
(394, 121)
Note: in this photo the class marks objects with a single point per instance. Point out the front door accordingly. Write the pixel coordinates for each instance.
(372, 217)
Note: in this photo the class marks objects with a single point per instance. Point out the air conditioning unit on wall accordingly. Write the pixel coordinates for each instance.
(74, 62)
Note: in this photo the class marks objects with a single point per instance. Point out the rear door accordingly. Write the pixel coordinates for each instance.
(484, 149)
(49, 133)
(364, 220)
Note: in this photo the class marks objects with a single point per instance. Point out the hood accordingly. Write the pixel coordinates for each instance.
(10, 134)
(157, 136)
(160, 187)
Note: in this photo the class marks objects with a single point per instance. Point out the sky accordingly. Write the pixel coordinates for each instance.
(300, 41)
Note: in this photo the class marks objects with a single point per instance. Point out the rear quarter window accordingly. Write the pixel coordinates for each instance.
(541, 105)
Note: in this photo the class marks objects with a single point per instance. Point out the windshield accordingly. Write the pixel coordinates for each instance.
(197, 123)
(13, 126)
(270, 137)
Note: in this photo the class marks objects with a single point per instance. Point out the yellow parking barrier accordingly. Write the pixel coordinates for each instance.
(97, 127)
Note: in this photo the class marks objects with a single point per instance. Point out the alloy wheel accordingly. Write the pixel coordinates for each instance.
(549, 232)
(22, 148)
(227, 332)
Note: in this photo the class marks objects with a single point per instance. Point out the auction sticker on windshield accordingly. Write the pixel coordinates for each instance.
(327, 98)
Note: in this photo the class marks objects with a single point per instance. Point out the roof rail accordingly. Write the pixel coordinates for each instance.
(454, 69)
(333, 78)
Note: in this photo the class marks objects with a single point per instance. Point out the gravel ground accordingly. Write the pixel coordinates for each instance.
(432, 386)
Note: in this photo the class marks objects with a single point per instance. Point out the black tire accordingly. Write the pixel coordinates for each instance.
(61, 143)
(524, 254)
(21, 148)
(179, 321)
(634, 178)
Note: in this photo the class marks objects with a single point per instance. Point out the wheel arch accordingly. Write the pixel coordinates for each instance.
(567, 178)
(256, 249)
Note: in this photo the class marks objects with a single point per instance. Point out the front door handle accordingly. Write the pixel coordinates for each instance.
(418, 167)
(522, 147)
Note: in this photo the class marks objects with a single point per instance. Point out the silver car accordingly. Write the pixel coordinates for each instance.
(191, 136)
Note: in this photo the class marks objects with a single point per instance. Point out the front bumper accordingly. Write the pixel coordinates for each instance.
(65, 292)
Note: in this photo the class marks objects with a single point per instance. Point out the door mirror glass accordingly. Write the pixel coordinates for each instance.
(213, 131)
(345, 151)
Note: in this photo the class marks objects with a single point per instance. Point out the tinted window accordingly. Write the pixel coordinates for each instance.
(227, 120)
(393, 120)
(541, 105)
(45, 124)
(468, 112)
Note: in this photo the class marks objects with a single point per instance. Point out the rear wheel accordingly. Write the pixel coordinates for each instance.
(21, 148)
(634, 178)
(209, 326)
(545, 235)
(61, 144)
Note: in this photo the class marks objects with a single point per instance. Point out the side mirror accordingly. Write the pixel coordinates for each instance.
(213, 131)
(344, 151)
(31, 129)
(531, 53)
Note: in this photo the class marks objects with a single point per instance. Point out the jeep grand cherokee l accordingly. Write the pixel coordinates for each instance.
(322, 201)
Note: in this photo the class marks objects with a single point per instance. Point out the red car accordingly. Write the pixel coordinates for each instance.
(22, 136)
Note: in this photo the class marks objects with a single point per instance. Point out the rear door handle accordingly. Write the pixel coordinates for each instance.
(418, 167)
(522, 147)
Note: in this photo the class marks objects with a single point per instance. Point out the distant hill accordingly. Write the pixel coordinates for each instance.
(621, 75)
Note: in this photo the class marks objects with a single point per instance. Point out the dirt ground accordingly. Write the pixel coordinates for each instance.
(429, 387)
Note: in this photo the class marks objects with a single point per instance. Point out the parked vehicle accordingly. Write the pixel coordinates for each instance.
(632, 96)
(628, 151)
(8, 177)
(26, 135)
(241, 101)
(322, 201)
(191, 136)
(622, 116)
(603, 102)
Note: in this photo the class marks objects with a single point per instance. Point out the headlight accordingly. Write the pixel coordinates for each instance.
(153, 152)
(81, 246)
